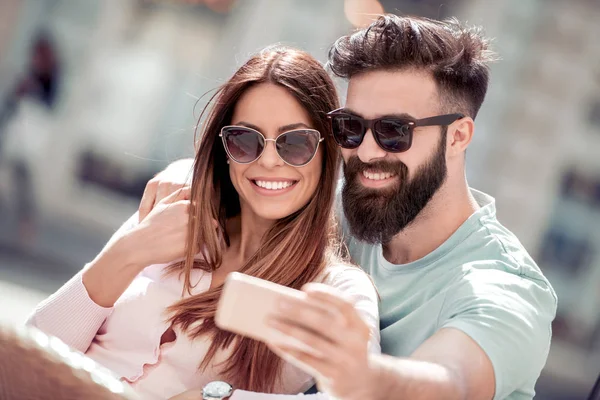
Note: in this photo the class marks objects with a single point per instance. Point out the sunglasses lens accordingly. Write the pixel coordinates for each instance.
(393, 134)
(347, 131)
(298, 147)
(243, 145)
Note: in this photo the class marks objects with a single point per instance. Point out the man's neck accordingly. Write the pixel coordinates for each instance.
(449, 208)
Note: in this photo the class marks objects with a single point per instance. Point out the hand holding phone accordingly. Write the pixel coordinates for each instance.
(246, 304)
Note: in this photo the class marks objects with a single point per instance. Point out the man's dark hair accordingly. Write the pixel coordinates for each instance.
(456, 56)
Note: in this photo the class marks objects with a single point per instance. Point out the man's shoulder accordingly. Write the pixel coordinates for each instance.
(490, 241)
(500, 276)
(491, 258)
(496, 248)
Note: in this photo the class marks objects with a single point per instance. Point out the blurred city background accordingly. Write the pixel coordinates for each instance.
(96, 96)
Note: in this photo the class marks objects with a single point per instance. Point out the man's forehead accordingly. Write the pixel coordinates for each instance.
(377, 93)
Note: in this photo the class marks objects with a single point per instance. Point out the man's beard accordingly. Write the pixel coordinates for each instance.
(377, 215)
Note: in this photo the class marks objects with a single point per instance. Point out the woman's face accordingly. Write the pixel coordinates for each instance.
(268, 186)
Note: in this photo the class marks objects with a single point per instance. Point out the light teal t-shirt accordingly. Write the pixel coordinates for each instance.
(481, 281)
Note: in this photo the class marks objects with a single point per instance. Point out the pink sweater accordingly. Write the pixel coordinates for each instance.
(126, 338)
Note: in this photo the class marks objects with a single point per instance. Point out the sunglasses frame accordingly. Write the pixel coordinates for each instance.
(407, 128)
(222, 136)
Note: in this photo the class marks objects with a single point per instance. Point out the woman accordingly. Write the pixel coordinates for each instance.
(260, 203)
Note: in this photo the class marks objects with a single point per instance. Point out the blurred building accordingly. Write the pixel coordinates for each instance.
(537, 150)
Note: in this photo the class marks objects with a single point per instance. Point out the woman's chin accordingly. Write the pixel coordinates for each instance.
(272, 214)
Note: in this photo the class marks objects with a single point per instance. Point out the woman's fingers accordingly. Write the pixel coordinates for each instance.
(148, 199)
(184, 193)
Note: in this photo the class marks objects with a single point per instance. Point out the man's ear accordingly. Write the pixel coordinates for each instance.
(460, 134)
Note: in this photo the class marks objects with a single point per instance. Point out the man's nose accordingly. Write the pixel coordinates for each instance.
(369, 150)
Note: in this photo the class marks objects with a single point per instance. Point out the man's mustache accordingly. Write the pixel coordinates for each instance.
(354, 166)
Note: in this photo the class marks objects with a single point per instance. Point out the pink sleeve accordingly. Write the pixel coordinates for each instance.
(70, 315)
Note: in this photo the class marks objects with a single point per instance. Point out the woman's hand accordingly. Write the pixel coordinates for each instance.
(162, 235)
(160, 238)
(176, 176)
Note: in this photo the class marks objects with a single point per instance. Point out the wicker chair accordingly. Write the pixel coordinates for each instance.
(35, 366)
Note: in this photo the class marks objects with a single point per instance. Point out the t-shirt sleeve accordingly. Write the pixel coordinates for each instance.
(510, 317)
(356, 286)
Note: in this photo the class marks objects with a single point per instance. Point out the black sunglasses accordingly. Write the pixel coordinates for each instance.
(245, 145)
(392, 134)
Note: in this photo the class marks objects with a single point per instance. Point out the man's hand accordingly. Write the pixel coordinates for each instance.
(175, 177)
(329, 325)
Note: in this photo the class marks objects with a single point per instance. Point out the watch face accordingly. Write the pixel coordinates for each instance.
(217, 390)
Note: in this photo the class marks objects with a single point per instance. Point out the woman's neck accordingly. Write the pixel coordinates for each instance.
(246, 232)
(245, 236)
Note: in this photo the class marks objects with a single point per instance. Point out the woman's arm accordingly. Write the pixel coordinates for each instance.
(77, 310)
(70, 314)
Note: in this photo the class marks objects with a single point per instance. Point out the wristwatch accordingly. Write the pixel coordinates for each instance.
(217, 390)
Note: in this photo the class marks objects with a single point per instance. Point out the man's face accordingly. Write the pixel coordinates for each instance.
(384, 192)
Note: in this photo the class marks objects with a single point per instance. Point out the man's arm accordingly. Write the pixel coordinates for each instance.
(449, 365)
(493, 340)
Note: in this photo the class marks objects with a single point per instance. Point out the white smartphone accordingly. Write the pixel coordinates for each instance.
(246, 303)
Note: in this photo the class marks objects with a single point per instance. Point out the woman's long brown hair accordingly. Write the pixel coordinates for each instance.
(294, 251)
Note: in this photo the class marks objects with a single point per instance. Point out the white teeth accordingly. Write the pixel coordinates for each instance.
(378, 176)
(274, 185)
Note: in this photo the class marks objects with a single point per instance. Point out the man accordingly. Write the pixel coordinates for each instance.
(465, 311)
